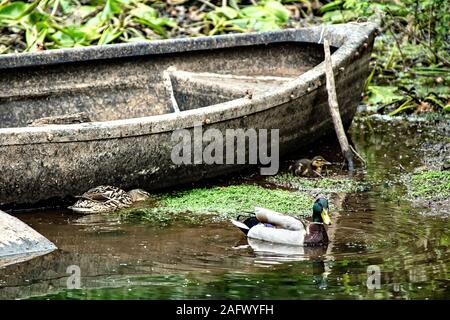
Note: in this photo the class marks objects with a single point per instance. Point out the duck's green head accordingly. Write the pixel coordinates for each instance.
(320, 211)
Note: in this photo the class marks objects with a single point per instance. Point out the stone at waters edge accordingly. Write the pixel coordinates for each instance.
(19, 242)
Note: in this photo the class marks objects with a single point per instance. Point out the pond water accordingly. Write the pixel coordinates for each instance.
(374, 230)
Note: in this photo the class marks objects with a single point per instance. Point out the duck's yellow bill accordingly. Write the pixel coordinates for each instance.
(325, 217)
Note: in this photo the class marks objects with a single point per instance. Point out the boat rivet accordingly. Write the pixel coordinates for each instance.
(309, 89)
(365, 45)
(49, 137)
(356, 54)
(206, 121)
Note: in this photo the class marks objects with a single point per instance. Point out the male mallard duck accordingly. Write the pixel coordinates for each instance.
(107, 199)
(271, 226)
(309, 168)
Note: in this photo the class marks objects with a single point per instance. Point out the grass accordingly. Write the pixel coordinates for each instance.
(219, 202)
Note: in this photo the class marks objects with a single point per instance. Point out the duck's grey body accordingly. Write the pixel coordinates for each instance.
(276, 235)
(289, 230)
(275, 227)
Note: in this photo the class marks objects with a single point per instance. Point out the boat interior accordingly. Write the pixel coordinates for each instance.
(131, 87)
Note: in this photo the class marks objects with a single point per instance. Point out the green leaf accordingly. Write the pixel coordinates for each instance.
(256, 12)
(278, 10)
(339, 16)
(148, 16)
(62, 39)
(109, 35)
(424, 71)
(34, 18)
(234, 5)
(144, 12)
(334, 5)
(17, 10)
(435, 100)
(265, 26)
(408, 104)
(166, 22)
(14, 10)
(228, 12)
(214, 17)
(240, 23)
(77, 35)
(383, 94)
(30, 36)
(111, 8)
(157, 25)
(66, 6)
(84, 11)
(35, 38)
(91, 27)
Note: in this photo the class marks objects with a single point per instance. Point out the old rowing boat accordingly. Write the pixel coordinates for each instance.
(73, 119)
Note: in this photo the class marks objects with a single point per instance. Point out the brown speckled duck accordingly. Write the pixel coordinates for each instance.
(107, 199)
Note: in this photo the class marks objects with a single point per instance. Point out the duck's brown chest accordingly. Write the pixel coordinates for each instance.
(316, 236)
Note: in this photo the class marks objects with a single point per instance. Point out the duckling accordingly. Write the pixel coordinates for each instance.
(271, 226)
(309, 168)
(107, 199)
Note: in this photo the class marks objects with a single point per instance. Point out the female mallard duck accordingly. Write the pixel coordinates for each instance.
(107, 199)
(274, 227)
(309, 168)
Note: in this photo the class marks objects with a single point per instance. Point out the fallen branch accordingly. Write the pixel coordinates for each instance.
(358, 155)
(334, 108)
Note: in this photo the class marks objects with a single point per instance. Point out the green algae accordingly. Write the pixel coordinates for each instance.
(430, 185)
(326, 185)
(220, 203)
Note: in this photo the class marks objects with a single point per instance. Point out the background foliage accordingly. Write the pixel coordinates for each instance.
(411, 65)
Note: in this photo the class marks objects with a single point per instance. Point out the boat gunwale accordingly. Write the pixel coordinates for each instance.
(349, 38)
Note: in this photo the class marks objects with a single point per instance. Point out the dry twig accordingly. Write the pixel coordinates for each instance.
(334, 108)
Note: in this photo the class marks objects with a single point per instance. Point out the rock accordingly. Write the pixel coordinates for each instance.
(19, 242)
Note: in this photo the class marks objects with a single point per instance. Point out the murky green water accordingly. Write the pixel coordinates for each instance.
(378, 228)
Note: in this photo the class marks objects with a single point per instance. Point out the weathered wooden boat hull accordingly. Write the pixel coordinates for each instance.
(121, 84)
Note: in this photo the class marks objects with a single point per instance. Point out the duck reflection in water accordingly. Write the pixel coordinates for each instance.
(268, 252)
